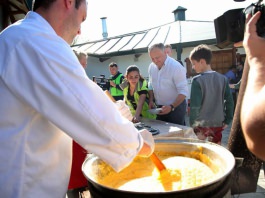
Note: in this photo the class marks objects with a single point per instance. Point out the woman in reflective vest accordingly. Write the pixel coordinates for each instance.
(136, 94)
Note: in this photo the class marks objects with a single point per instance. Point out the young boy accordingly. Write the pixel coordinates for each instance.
(211, 102)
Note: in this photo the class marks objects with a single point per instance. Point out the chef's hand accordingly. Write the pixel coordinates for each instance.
(124, 109)
(149, 143)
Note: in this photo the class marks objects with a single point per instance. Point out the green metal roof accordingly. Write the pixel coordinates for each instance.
(178, 33)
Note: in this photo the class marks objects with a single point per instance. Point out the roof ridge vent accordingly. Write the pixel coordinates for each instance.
(179, 13)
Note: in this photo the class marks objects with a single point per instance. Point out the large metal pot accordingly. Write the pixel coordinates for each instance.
(218, 187)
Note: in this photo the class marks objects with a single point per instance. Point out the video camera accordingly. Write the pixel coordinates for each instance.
(103, 82)
(229, 27)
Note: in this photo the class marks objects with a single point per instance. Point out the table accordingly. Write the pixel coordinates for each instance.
(169, 129)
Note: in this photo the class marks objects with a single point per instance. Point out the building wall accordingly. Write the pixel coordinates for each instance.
(96, 68)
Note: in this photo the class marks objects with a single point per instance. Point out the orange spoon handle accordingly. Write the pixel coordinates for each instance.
(159, 165)
(110, 96)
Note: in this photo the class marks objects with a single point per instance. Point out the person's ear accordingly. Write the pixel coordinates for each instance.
(69, 3)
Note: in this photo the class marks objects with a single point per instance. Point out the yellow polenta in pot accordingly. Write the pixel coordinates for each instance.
(189, 166)
(184, 170)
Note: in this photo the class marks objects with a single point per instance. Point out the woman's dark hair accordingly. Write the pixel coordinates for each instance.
(46, 4)
(134, 68)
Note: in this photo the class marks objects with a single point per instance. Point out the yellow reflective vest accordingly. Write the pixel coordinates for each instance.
(140, 86)
(115, 91)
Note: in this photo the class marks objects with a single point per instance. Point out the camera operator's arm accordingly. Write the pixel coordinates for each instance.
(112, 83)
(117, 85)
(253, 106)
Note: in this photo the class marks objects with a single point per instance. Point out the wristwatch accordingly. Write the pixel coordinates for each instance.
(172, 107)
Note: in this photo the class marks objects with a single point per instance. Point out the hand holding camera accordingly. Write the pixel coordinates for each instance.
(230, 27)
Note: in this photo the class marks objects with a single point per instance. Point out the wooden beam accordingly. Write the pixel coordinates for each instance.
(137, 55)
(103, 59)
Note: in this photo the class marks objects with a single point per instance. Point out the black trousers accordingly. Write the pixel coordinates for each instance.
(177, 116)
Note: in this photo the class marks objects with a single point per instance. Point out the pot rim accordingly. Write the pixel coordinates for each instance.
(225, 153)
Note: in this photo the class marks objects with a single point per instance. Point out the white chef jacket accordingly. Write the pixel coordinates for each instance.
(46, 98)
(168, 82)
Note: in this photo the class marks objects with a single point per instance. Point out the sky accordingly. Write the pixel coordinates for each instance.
(127, 16)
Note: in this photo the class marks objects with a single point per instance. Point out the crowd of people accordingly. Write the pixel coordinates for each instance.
(166, 88)
(39, 128)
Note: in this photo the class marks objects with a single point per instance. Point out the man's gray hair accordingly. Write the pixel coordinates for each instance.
(157, 45)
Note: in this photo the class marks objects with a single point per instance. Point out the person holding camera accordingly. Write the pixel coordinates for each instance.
(253, 104)
(116, 79)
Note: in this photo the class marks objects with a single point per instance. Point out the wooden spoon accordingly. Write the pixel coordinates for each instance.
(110, 96)
(158, 163)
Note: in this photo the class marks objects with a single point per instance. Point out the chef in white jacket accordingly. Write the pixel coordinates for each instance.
(47, 99)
